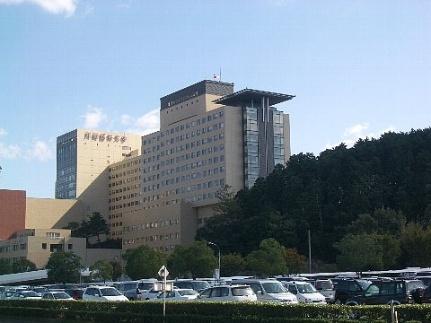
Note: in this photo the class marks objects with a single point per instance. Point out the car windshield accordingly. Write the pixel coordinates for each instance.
(242, 291)
(324, 285)
(61, 295)
(363, 283)
(273, 288)
(200, 285)
(305, 288)
(187, 292)
(145, 286)
(129, 286)
(29, 294)
(110, 292)
(415, 284)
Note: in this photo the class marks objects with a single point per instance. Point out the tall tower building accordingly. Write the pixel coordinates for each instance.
(82, 160)
(210, 136)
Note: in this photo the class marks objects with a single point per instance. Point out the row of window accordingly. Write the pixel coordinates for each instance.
(188, 125)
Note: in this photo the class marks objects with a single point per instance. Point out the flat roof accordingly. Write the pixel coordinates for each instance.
(237, 98)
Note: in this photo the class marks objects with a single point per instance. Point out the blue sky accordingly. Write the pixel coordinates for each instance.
(357, 67)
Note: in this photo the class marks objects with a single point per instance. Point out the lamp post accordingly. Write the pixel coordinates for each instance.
(218, 248)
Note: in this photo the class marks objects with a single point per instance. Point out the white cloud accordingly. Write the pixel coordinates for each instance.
(126, 120)
(149, 122)
(94, 117)
(3, 132)
(359, 131)
(9, 151)
(66, 7)
(40, 151)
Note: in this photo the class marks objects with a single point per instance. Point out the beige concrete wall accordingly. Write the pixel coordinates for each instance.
(47, 213)
(234, 156)
(124, 193)
(286, 126)
(190, 108)
(93, 255)
(161, 228)
(93, 158)
(35, 245)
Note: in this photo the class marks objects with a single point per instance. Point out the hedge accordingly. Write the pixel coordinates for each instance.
(195, 312)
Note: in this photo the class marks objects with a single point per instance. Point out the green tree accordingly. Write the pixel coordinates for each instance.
(232, 264)
(268, 260)
(197, 260)
(143, 262)
(5, 266)
(63, 267)
(416, 245)
(102, 270)
(22, 265)
(93, 225)
(117, 270)
(367, 252)
(295, 262)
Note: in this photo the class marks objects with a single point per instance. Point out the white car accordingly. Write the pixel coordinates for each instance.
(178, 295)
(57, 296)
(103, 294)
(149, 294)
(235, 293)
(269, 290)
(305, 292)
(26, 294)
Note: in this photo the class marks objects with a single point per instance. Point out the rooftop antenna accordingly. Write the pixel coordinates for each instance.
(219, 75)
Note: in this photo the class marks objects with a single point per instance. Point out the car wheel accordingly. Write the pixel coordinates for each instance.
(337, 301)
(352, 303)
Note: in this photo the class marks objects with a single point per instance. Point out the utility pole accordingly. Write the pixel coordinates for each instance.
(309, 251)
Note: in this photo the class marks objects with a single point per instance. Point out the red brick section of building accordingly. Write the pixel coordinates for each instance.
(12, 212)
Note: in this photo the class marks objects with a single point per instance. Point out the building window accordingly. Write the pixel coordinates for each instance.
(43, 245)
(69, 246)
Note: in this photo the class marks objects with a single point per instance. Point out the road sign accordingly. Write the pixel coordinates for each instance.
(163, 272)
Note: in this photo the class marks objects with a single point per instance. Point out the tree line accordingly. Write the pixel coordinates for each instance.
(367, 207)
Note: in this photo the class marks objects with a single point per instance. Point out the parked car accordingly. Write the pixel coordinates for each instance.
(197, 285)
(149, 294)
(347, 289)
(75, 293)
(235, 293)
(178, 294)
(103, 294)
(39, 290)
(57, 296)
(326, 288)
(388, 292)
(268, 290)
(305, 292)
(425, 279)
(133, 289)
(25, 294)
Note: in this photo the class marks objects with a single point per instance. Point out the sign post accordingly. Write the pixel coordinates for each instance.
(163, 273)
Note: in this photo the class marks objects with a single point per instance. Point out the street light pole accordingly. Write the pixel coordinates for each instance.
(218, 248)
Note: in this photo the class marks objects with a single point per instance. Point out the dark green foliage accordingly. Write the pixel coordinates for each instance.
(5, 266)
(386, 181)
(143, 262)
(268, 260)
(232, 264)
(94, 225)
(117, 270)
(63, 267)
(197, 260)
(102, 270)
(22, 265)
(210, 312)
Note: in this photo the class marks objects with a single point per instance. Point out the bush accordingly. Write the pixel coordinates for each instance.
(194, 312)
